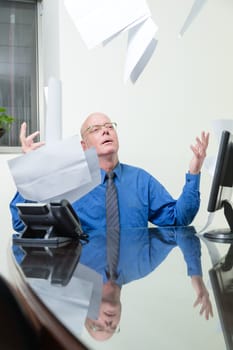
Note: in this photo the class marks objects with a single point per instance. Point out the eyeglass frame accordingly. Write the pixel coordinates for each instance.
(89, 129)
(95, 328)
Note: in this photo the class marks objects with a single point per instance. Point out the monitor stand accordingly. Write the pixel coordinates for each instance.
(223, 235)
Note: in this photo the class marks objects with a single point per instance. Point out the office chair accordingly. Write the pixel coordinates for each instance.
(16, 331)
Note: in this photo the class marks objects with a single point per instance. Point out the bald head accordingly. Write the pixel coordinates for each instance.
(99, 131)
(96, 118)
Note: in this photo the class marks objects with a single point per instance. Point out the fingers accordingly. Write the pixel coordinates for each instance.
(37, 145)
(31, 137)
(22, 133)
(204, 141)
(27, 142)
(199, 149)
(206, 306)
(198, 301)
(205, 137)
(199, 153)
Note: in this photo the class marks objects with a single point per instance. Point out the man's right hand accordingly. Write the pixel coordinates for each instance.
(27, 142)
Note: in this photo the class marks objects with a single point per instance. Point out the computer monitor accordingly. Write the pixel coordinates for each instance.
(222, 188)
(48, 224)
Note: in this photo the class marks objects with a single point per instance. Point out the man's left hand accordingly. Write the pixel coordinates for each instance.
(199, 153)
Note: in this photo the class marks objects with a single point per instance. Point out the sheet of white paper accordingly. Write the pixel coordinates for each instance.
(139, 40)
(46, 94)
(141, 19)
(209, 164)
(140, 66)
(101, 21)
(196, 8)
(54, 171)
(93, 165)
(53, 130)
(98, 20)
(209, 221)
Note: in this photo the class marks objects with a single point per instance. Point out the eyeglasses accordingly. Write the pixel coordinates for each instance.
(94, 129)
(111, 330)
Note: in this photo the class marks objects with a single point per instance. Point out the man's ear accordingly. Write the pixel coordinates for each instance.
(83, 144)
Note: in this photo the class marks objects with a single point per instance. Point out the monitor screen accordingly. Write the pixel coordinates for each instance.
(48, 224)
(222, 183)
(222, 188)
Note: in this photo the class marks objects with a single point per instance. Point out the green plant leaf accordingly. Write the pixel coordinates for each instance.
(5, 119)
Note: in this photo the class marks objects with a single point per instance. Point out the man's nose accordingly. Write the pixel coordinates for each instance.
(108, 323)
(105, 130)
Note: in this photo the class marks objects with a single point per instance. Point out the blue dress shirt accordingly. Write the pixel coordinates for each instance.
(141, 198)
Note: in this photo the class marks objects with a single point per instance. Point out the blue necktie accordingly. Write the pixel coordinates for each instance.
(112, 226)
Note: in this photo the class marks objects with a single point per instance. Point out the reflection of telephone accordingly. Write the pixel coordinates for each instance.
(58, 263)
(49, 224)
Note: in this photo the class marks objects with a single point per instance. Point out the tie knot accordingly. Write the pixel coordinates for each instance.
(110, 175)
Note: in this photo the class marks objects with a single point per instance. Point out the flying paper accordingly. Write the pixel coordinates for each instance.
(100, 21)
(56, 171)
(53, 130)
(60, 169)
(196, 8)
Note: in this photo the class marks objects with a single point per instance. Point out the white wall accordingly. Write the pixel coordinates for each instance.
(186, 85)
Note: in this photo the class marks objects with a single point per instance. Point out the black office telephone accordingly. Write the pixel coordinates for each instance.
(49, 224)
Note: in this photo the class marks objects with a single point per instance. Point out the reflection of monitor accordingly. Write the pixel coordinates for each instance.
(221, 277)
(221, 189)
(49, 224)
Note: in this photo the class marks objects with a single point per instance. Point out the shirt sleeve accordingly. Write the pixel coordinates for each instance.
(190, 246)
(188, 203)
(17, 223)
(166, 211)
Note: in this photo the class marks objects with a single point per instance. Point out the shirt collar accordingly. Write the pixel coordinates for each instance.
(116, 170)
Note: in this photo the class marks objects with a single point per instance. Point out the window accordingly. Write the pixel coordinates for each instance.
(19, 68)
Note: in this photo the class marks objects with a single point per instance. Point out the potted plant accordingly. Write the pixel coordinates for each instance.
(5, 121)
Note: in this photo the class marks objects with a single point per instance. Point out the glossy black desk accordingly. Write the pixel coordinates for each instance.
(146, 255)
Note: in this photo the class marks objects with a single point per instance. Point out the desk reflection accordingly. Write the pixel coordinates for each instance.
(142, 250)
(49, 263)
(221, 276)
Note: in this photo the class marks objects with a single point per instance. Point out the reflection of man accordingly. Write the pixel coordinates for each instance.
(142, 250)
(109, 313)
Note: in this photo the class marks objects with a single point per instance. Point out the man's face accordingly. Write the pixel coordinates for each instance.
(103, 138)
